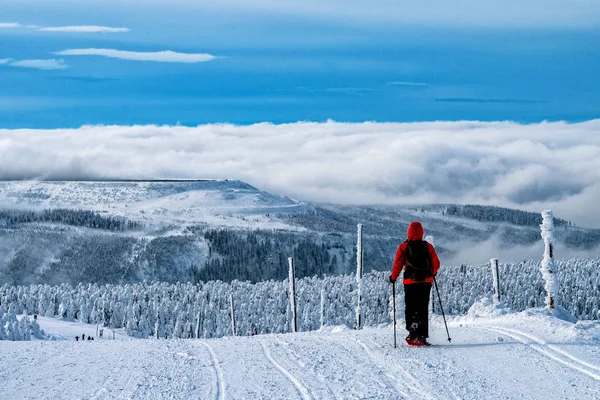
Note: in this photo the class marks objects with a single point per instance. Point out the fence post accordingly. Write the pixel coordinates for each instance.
(233, 328)
(496, 279)
(359, 265)
(293, 294)
(322, 307)
(198, 326)
(429, 239)
(547, 265)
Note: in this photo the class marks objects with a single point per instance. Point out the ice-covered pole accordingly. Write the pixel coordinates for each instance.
(496, 280)
(293, 294)
(359, 265)
(547, 266)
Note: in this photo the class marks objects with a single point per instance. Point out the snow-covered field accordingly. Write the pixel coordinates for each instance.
(493, 355)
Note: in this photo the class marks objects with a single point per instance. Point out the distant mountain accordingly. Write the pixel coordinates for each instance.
(131, 231)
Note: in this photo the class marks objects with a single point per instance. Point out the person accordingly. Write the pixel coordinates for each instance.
(420, 263)
(83, 336)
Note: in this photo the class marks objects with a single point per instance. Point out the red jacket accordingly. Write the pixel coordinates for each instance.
(415, 232)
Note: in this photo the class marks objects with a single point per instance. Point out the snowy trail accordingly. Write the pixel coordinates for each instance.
(219, 384)
(549, 351)
(302, 390)
(522, 357)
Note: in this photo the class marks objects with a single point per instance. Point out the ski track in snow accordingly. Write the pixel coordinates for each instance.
(414, 385)
(390, 380)
(304, 367)
(104, 392)
(549, 351)
(219, 385)
(302, 390)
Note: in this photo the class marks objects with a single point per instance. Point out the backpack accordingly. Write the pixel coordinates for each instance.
(418, 261)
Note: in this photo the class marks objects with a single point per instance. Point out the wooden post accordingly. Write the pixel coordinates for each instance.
(233, 328)
(322, 307)
(547, 266)
(359, 270)
(496, 279)
(429, 239)
(293, 294)
(198, 326)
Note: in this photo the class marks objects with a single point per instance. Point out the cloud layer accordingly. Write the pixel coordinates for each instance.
(545, 165)
(158, 56)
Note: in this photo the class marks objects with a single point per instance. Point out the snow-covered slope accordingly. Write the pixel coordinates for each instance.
(492, 355)
(182, 201)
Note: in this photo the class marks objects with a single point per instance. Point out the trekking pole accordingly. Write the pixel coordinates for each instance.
(394, 309)
(442, 308)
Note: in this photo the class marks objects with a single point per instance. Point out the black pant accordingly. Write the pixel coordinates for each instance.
(416, 298)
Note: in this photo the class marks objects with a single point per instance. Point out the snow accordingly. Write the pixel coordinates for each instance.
(495, 353)
(547, 265)
(215, 202)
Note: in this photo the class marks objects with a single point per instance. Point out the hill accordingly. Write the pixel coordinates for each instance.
(191, 231)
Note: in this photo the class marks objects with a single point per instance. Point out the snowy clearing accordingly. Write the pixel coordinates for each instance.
(492, 355)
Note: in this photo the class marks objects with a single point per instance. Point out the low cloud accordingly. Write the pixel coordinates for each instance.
(5, 60)
(476, 253)
(84, 29)
(50, 64)
(531, 167)
(157, 56)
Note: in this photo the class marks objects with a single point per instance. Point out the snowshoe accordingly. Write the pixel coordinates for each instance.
(418, 342)
(411, 341)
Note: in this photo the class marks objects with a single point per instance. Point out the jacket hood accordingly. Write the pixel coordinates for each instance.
(415, 231)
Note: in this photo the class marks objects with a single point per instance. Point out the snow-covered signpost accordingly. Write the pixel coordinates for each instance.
(233, 329)
(359, 261)
(496, 280)
(293, 294)
(547, 266)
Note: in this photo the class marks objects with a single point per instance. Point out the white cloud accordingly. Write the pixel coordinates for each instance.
(158, 56)
(84, 29)
(10, 25)
(40, 64)
(5, 60)
(409, 84)
(533, 167)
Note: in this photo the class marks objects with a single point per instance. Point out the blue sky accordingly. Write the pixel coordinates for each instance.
(286, 61)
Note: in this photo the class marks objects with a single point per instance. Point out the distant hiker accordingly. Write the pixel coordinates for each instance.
(420, 263)
(83, 336)
(101, 332)
(77, 338)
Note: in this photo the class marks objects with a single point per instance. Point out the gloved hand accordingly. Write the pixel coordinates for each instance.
(390, 280)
